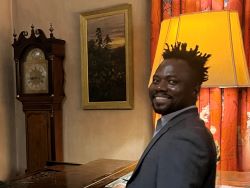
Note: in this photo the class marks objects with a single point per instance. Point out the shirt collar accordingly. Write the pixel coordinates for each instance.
(166, 118)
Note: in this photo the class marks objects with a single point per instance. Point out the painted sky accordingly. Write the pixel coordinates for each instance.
(112, 25)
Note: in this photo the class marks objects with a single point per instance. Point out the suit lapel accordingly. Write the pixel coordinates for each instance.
(171, 123)
(151, 144)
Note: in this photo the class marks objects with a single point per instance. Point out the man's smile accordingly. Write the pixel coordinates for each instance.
(162, 99)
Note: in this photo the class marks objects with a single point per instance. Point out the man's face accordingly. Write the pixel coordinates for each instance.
(173, 87)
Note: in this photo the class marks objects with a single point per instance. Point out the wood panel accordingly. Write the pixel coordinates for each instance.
(38, 139)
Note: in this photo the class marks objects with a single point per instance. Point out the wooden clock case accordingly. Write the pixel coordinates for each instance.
(43, 111)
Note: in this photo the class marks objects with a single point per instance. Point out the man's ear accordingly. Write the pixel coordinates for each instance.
(196, 90)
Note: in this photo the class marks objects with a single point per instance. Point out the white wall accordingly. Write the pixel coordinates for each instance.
(91, 134)
(7, 129)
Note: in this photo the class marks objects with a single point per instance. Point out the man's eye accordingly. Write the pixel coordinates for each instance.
(172, 82)
(155, 80)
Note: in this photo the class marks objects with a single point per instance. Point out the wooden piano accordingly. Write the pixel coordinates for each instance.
(95, 174)
(98, 173)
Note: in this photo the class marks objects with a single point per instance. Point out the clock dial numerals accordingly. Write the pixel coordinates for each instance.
(35, 73)
(36, 78)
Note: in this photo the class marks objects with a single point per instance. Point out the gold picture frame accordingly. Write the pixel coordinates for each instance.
(106, 58)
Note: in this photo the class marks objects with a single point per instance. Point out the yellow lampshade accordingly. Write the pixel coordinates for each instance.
(217, 33)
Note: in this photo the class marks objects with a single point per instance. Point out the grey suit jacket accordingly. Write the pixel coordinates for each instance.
(181, 155)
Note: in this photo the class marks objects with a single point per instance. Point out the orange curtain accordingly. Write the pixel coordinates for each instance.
(226, 112)
(245, 105)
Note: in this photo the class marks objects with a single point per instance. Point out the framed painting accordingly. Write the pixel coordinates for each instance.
(106, 58)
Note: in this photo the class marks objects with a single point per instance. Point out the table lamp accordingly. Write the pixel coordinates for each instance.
(217, 33)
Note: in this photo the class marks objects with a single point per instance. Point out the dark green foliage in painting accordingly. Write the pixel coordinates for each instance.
(106, 70)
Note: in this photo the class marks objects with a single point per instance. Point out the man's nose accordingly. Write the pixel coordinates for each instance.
(163, 85)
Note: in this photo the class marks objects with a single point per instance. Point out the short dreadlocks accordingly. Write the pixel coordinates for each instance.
(194, 58)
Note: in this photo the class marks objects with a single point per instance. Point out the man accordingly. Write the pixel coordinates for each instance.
(181, 153)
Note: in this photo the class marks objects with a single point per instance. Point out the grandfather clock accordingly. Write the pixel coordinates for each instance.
(40, 88)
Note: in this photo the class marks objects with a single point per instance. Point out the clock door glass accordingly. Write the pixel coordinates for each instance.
(35, 72)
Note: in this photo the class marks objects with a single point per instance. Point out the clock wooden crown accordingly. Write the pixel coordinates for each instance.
(54, 52)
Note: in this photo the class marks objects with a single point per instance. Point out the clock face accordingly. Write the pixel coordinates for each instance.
(35, 73)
